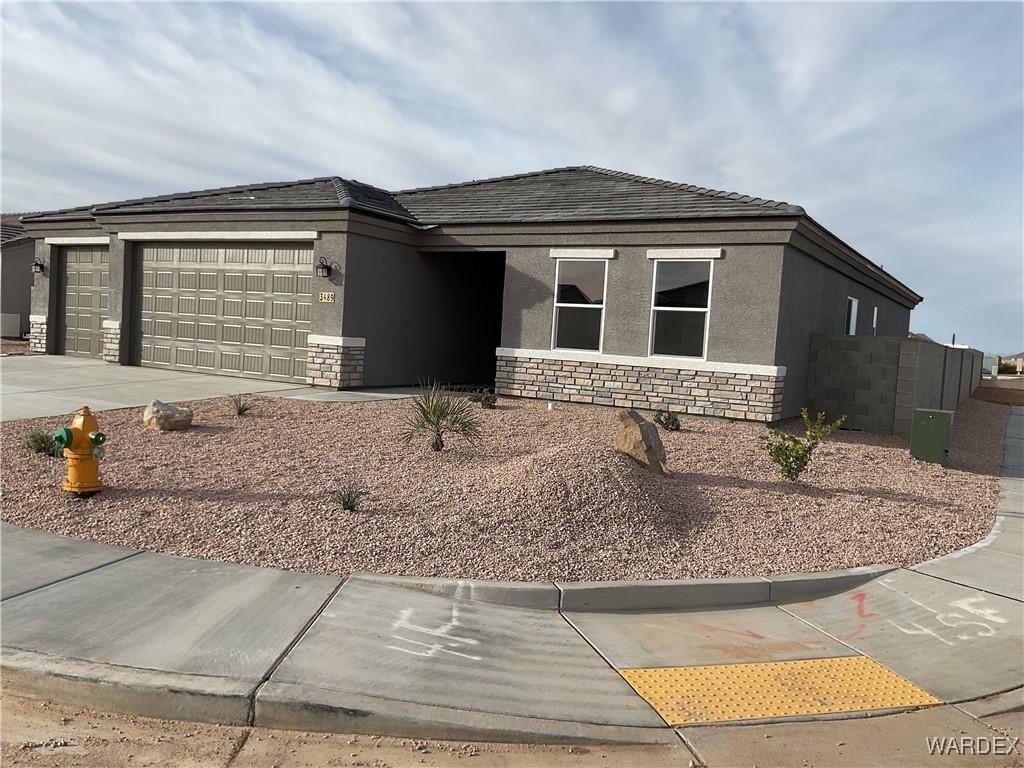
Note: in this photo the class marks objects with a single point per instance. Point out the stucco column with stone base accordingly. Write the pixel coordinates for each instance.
(335, 361)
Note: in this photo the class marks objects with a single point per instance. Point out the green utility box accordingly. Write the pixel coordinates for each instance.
(929, 435)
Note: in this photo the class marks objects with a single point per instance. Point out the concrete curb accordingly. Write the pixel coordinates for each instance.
(341, 712)
(541, 595)
(655, 595)
(797, 587)
(601, 596)
(687, 594)
(112, 688)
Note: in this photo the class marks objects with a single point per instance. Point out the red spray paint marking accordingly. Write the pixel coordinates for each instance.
(746, 633)
(859, 598)
(860, 628)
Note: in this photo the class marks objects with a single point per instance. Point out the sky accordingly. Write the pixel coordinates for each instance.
(899, 127)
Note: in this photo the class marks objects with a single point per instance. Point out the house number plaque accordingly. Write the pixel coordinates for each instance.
(326, 297)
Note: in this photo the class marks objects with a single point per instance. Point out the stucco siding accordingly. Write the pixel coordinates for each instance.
(744, 301)
(813, 302)
(16, 281)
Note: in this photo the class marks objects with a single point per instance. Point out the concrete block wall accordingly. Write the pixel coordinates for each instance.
(856, 377)
(753, 397)
(878, 382)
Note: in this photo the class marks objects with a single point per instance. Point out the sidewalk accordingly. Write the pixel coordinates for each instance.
(740, 671)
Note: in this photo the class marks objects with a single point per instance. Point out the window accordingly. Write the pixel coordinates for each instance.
(874, 322)
(579, 304)
(679, 308)
(851, 316)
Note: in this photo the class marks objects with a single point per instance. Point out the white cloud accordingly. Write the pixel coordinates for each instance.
(896, 125)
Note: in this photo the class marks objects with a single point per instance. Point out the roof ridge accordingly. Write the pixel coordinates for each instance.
(348, 200)
(191, 194)
(488, 180)
(707, 191)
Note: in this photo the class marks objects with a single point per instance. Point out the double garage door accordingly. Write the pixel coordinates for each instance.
(238, 309)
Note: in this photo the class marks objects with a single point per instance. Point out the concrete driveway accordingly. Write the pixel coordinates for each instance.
(56, 385)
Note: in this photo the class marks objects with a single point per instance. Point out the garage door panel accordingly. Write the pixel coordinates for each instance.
(243, 314)
(86, 299)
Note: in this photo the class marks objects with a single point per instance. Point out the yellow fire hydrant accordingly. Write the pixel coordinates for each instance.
(82, 443)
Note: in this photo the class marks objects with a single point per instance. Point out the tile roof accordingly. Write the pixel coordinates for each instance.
(10, 228)
(579, 193)
(328, 192)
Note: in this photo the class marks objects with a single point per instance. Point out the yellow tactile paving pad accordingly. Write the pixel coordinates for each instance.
(726, 692)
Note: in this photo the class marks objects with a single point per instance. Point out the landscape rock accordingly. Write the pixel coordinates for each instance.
(638, 439)
(164, 417)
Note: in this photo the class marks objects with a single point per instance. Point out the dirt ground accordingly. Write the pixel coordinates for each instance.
(38, 734)
(1006, 390)
(542, 495)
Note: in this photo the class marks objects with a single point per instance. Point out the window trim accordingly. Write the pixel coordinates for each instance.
(556, 304)
(707, 310)
(851, 315)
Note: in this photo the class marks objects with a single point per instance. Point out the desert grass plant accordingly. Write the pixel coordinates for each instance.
(38, 441)
(484, 398)
(350, 495)
(667, 420)
(437, 413)
(242, 404)
(792, 453)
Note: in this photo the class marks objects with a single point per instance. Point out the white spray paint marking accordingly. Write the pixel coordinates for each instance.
(968, 603)
(967, 613)
(445, 642)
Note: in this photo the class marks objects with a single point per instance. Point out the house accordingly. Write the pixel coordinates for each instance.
(16, 255)
(578, 284)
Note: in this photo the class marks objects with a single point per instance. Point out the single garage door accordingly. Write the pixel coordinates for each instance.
(239, 309)
(86, 298)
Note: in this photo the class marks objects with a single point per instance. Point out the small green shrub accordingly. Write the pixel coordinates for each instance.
(484, 398)
(667, 420)
(793, 453)
(241, 403)
(349, 496)
(41, 442)
(437, 413)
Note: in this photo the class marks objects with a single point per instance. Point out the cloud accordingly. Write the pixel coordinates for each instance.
(896, 125)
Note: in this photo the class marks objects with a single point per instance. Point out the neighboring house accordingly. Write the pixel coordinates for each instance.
(577, 284)
(16, 252)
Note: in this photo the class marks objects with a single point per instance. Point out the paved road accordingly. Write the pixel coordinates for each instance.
(931, 651)
(56, 385)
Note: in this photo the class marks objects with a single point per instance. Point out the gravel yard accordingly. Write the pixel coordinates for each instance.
(543, 495)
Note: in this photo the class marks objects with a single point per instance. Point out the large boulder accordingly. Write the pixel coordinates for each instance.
(638, 439)
(164, 417)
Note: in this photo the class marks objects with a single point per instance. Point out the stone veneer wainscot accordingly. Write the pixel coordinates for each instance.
(749, 396)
